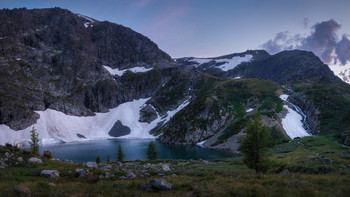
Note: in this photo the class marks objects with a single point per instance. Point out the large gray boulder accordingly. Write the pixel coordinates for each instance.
(166, 168)
(130, 175)
(91, 164)
(34, 160)
(50, 173)
(21, 190)
(160, 184)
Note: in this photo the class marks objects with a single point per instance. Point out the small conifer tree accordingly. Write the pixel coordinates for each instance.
(34, 141)
(152, 153)
(108, 160)
(98, 160)
(254, 144)
(120, 155)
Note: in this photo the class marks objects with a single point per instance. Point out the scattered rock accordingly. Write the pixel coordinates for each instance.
(165, 167)
(122, 177)
(175, 162)
(130, 175)
(19, 159)
(205, 161)
(52, 184)
(106, 167)
(326, 161)
(34, 160)
(81, 172)
(109, 175)
(283, 172)
(119, 164)
(160, 184)
(91, 164)
(50, 173)
(145, 187)
(160, 174)
(7, 154)
(101, 176)
(21, 190)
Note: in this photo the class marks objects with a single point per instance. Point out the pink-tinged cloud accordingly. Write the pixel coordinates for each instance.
(142, 3)
(170, 17)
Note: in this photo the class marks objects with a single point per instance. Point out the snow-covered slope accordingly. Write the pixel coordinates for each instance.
(292, 122)
(118, 72)
(225, 64)
(55, 127)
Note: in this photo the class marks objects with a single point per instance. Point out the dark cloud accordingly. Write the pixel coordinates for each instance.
(322, 41)
(342, 50)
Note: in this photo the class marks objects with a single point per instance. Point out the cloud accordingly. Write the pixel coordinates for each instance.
(306, 22)
(323, 41)
(342, 50)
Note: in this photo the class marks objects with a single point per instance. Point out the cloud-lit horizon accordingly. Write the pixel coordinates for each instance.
(323, 40)
(206, 28)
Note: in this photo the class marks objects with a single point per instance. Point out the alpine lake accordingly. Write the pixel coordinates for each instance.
(133, 149)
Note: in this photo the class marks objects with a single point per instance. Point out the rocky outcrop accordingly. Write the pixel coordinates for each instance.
(310, 110)
(52, 58)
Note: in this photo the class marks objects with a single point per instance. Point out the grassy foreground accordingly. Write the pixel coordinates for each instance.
(227, 177)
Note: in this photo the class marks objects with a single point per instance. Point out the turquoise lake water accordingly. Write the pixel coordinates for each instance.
(133, 149)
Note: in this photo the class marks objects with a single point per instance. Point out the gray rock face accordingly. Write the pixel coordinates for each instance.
(130, 175)
(119, 129)
(160, 184)
(34, 160)
(91, 164)
(165, 167)
(148, 114)
(58, 61)
(22, 190)
(50, 173)
(310, 110)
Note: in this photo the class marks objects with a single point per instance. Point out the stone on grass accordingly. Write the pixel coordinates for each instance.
(326, 161)
(109, 175)
(19, 159)
(52, 184)
(130, 175)
(175, 162)
(165, 167)
(91, 164)
(81, 172)
(283, 172)
(34, 160)
(21, 190)
(160, 184)
(50, 173)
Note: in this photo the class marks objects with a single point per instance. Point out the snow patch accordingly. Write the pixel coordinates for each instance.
(55, 127)
(88, 22)
(233, 62)
(229, 64)
(201, 144)
(284, 97)
(292, 124)
(116, 71)
(237, 77)
(249, 110)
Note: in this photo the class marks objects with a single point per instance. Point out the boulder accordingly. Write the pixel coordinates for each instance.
(283, 172)
(109, 175)
(160, 184)
(175, 162)
(34, 160)
(50, 173)
(326, 161)
(21, 190)
(130, 175)
(81, 172)
(52, 184)
(91, 164)
(7, 154)
(165, 167)
(19, 159)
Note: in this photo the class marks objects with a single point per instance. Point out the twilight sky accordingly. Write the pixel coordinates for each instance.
(207, 28)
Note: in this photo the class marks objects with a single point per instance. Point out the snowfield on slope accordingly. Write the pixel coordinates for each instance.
(292, 122)
(116, 71)
(56, 127)
(229, 64)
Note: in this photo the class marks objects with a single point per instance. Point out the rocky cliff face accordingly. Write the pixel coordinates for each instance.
(52, 58)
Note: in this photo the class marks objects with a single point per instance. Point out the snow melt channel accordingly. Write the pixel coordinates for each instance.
(116, 71)
(292, 123)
